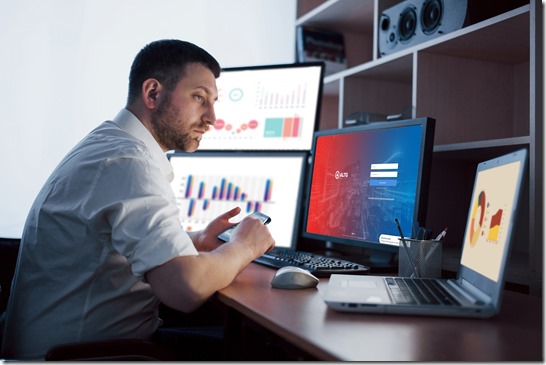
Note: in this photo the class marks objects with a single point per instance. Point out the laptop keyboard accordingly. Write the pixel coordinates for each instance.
(419, 291)
(319, 265)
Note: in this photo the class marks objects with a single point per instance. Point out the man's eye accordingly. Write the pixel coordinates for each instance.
(199, 97)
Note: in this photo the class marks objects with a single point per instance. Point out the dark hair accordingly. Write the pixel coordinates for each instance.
(165, 60)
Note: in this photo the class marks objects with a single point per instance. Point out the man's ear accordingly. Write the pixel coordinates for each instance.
(151, 91)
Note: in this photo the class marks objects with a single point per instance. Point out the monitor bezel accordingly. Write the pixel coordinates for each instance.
(264, 155)
(297, 65)
(425, 164)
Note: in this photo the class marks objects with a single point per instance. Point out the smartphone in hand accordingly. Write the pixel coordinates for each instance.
(226, 235)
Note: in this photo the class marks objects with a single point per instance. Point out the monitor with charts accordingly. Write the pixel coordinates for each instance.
(207, 184)
(362, 178)
(273, 107)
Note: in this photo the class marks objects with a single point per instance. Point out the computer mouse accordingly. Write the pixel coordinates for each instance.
(292, 277)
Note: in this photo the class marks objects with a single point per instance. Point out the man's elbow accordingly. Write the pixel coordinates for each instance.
(182, 283)
(187, 301)
(185, 306)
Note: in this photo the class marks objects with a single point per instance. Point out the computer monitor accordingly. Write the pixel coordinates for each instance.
(363, 178)
(274, 107)
(209, 183)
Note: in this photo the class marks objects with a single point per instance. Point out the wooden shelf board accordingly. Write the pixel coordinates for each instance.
(342, 15)
(470, 148)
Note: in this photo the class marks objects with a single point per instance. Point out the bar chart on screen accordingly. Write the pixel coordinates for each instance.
(208, 184)
(202, 198)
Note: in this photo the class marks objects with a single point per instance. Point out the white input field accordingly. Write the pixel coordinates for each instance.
(384, 174)
(384, 166)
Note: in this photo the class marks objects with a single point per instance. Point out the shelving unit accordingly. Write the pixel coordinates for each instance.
(482, 84)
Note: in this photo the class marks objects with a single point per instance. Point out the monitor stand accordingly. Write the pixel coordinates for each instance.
(378, 261)
(382, 262)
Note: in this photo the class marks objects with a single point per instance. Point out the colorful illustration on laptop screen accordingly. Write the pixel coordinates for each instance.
(486, 233)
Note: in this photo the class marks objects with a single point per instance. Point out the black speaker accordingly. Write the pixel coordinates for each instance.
(414, 21)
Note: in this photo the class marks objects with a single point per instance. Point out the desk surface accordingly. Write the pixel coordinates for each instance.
(303, 319)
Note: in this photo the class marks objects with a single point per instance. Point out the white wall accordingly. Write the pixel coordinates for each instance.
(65, 64)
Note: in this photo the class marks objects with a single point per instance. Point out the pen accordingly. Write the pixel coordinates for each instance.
(405, 247)
(441, 235)
(438, 238)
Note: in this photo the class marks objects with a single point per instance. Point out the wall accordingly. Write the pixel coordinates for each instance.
(65, 65)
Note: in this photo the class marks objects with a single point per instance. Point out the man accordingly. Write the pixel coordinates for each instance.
(102, 245)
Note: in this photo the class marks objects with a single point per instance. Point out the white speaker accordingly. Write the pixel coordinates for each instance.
(415, 21)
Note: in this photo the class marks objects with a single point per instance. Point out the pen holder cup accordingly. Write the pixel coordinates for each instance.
(426, 255)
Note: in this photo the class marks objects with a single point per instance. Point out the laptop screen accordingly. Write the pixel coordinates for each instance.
(491, 211)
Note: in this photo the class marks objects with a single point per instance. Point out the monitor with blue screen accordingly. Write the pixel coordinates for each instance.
(268, 107)
(363, 178)
(209, 183)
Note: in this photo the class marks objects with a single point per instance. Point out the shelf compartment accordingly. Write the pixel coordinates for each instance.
(487, 40)
(492, 103)
(352, 18)
(383, 89)
(491, 69)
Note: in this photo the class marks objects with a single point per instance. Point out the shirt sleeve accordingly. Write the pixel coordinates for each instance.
(140, 208)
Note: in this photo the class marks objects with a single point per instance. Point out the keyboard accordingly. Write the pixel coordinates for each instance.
(421, 291)
(319, 265)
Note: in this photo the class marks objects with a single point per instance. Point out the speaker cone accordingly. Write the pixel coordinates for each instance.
(407, 24)
(431, 14)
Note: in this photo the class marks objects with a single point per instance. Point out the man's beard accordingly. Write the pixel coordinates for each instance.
(164, 120)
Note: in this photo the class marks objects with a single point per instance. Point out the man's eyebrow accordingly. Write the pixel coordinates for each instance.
(206, 90)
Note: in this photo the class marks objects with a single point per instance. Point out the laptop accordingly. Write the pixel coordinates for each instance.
(477, 289)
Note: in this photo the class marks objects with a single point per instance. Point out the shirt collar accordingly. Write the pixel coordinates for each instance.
(132, 125)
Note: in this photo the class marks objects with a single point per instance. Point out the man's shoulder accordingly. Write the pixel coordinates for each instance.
(108, 137)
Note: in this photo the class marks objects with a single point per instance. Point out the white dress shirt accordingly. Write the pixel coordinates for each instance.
(105, 217)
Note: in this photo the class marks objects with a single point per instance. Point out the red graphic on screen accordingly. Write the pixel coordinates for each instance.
(336, 206)
(494, 228)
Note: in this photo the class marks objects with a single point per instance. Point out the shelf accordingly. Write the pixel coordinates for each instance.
(480, 41)
(477, 82)
(388, 69)
(470, 149)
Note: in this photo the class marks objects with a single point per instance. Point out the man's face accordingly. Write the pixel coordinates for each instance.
(184, 115)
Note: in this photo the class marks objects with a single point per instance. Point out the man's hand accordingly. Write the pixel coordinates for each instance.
(207, 239)
(254, 234)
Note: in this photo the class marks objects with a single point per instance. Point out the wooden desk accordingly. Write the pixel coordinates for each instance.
(302, 319)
